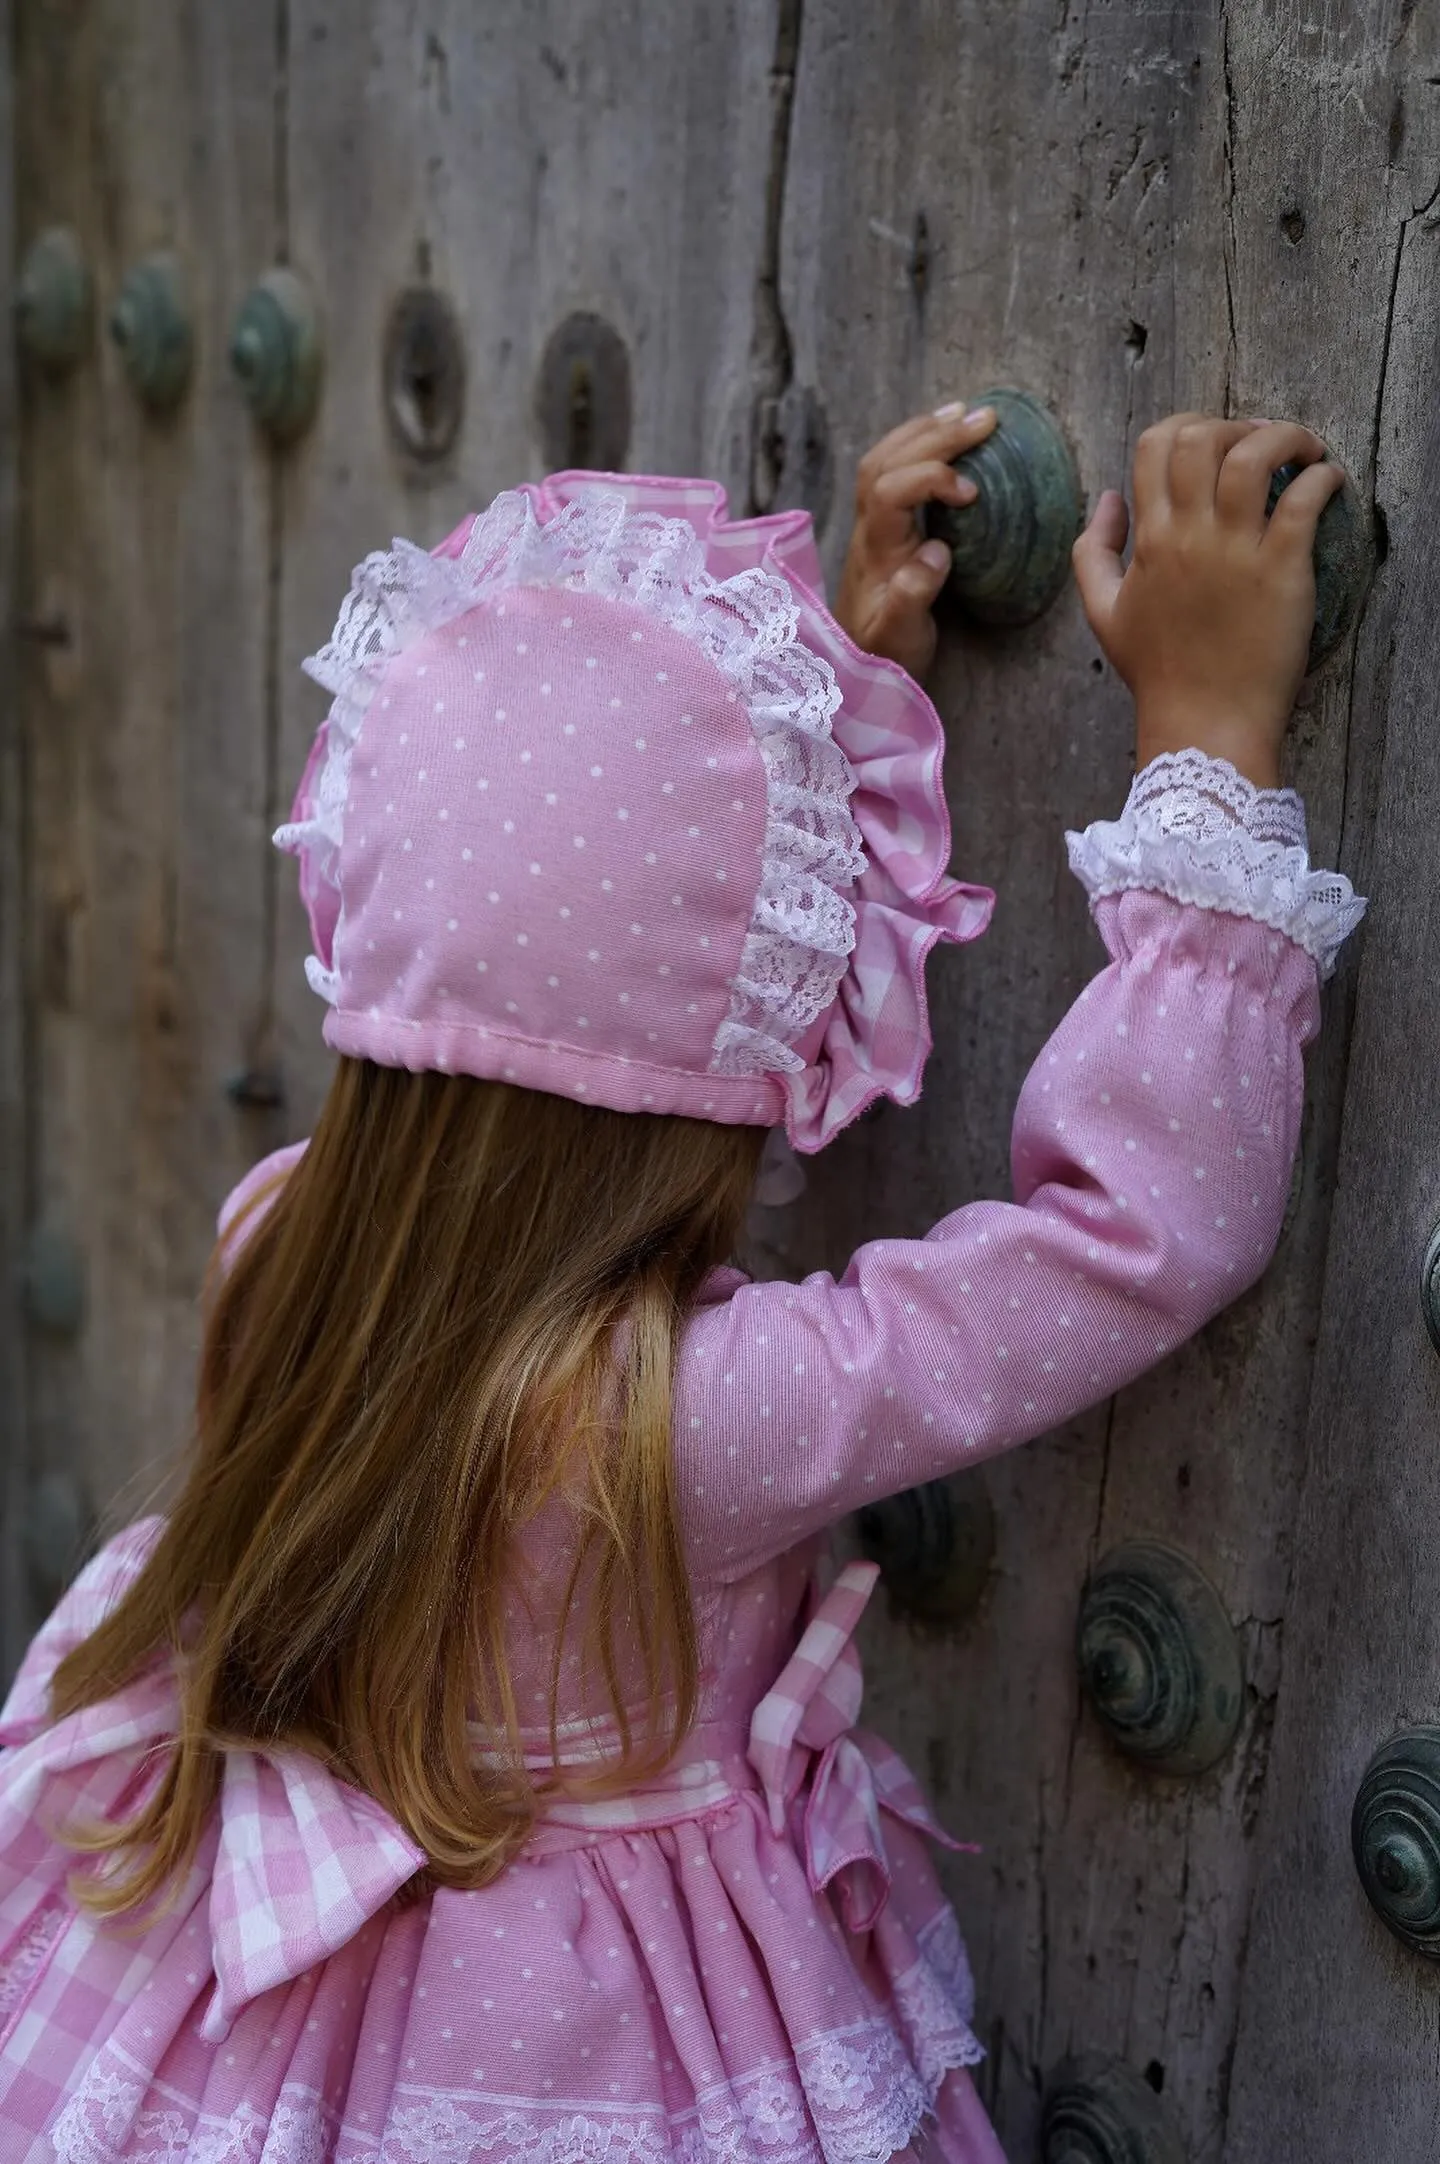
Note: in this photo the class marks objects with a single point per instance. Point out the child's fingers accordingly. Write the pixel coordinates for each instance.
(1297, 513)
(904, 488)
(1152, 461)
(1197, 455)
(914, 588)
(1244, 482)
(894, 448)
(1097, 556)
(943, 435)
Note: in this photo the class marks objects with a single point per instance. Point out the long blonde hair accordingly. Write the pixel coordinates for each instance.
(464, 1302)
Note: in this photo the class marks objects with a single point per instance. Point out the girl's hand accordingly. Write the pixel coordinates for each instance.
(891, 575)
(1210, 624)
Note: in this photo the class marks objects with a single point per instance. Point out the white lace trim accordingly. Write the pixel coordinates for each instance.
(28, 1955)
(1195, 829)
(852, 2096)
(802, 928)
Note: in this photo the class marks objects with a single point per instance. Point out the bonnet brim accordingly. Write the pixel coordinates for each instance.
(876, 1038)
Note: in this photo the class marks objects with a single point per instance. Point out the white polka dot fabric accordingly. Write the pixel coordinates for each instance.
(608, 805)
(750, 1955)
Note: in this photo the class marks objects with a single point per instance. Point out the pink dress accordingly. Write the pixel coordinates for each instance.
(751, 1958)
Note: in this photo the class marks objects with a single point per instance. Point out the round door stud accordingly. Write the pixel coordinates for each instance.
(1010, 549)
(275, 353)
(424, 373)
(1159, 1660)
(52, 301)
(582, 395)
(1395, 1837)
(1430, 1288)
(1344, 562)
(54, 1280)
(935, 1546)
(150, 324)
(56, 1533)
(1100, 2111)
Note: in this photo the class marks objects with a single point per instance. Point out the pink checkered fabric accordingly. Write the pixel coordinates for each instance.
(303, 1862)
(298, 1861)
(803, 1731)
(607, 804)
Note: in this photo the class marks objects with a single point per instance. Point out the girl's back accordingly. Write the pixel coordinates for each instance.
(469, 1764)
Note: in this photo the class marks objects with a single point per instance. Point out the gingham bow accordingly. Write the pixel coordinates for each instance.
(804, 1726)
(300, 1860)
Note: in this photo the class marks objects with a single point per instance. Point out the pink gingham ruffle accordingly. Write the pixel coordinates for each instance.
(300, 1859)
(875, 1039)
(804, 1745)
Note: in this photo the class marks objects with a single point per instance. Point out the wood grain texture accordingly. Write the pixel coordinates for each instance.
(149, 538)
(1097, 206)
(1336, 2049)
(14, 1440)
(530, 161)
(804, 218)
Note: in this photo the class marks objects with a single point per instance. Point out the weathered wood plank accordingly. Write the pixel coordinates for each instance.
(530, 161)
(14, 1443)
(1336, 2054)
(144, 733)
(976, 195)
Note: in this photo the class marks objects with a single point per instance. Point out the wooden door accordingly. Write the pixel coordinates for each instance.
(801, 219)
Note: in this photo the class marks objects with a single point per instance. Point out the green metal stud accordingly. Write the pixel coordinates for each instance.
(57, 1533)
(935, 1545)
(1010, 549)
(276, 354)
(1395, 1837)
(150, 324)
(1159, 1660)
(1344, 561)
(1100, 2111)
(52, 300)
(54, 1280)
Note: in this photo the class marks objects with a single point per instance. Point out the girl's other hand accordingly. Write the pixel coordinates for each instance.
(892, 575)
(1210, 623)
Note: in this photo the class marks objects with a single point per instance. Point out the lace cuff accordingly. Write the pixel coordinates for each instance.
(1195, 829)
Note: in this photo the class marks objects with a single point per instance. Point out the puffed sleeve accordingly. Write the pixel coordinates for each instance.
(1152, 1151)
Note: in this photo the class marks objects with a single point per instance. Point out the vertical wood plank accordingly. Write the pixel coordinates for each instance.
(1336, 2049)
(14, 1441)
(1088, 202)
(148, 536)
(530, 161)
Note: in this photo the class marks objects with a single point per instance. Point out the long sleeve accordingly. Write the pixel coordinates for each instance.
(1152, 1151)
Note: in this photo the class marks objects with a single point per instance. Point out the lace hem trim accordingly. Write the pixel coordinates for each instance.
(852, 2096)
(802, 926)
(26, 1958)
(1197, 830)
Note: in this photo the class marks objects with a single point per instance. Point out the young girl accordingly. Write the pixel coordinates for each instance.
(467, 1767)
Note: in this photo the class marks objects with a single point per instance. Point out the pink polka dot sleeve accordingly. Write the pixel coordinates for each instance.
(1152, 1154)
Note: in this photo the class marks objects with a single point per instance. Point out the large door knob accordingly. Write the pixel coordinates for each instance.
(1344, 562)
(1010, 549)
(1395, 1837)
(1100, 2111)
(150, 325)
(52, 300)
(275, 353)
(935, 1545)
(1158, 1657)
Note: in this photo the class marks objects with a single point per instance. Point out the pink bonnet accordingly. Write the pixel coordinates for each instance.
(608, 805)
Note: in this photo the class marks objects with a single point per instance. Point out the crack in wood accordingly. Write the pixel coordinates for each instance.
(773, 353)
